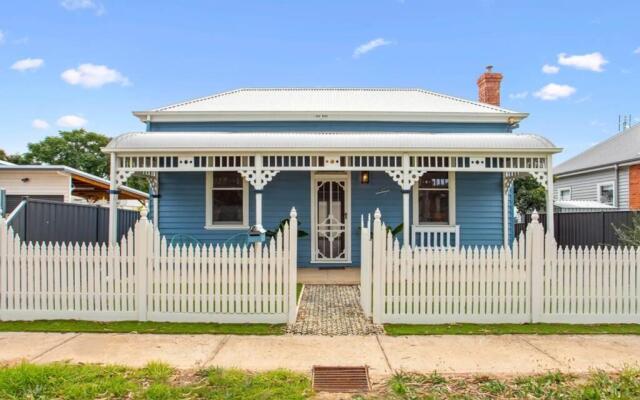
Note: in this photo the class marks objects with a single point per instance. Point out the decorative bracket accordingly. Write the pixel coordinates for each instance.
(509, 178)
(406, 178)
(122, 176)
(541, 177)
(258, 178)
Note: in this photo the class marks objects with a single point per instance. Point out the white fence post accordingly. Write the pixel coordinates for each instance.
(535, 262)
(142, 253)
(3, 266)
(293, 265)
(377, 263)
(365, 265)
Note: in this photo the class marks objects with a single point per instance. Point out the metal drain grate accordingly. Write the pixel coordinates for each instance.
(341, 379)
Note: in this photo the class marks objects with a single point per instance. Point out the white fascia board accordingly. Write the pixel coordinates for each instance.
(199, 116)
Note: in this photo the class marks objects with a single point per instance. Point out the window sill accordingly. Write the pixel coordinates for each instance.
(226, 227)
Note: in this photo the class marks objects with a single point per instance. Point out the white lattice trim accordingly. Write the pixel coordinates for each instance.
(406, 178)
(258, 178)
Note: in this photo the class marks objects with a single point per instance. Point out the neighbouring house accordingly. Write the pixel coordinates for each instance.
(441, 166)
(606, 176)
(60, 183)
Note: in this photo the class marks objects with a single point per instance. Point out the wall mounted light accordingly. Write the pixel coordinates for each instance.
(364, 177)
(25, 180)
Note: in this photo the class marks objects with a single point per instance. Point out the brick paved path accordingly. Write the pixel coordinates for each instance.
(332, 310)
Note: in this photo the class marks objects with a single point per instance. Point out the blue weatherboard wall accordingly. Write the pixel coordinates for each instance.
(479, 208)
(344, 126)
(182, 207)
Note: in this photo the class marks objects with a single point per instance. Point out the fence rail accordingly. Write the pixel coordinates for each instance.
(535, 280)
(144, 278)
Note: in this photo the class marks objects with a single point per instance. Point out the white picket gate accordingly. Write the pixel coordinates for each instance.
(144, 278)
(532, 281)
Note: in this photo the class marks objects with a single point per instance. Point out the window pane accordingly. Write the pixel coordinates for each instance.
(229, 179)
(434, 180)
(606, 194)
(227, 206)
(565, 194)
(433, 206)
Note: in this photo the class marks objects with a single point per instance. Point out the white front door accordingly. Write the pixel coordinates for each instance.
(331, 221)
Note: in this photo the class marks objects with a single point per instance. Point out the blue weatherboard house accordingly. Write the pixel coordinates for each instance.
(439, 168)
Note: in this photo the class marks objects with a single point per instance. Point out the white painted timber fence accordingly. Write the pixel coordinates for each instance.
(144, 278)
(534, 280)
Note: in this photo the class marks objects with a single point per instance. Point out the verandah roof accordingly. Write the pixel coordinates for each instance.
(357, 141)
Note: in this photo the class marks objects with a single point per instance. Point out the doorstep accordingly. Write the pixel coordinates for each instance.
(329, 276)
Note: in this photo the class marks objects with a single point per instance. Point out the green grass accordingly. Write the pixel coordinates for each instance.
(141, 327)
(155, 381)
(503, 329)
(160, 382)
(552, 385)
(299, 287)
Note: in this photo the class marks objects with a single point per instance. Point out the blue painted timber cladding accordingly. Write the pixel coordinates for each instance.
(344, 126)
(182, 207)
(479, 208)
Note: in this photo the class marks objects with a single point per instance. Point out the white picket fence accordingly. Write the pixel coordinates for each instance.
(533, 281)
(144, 278)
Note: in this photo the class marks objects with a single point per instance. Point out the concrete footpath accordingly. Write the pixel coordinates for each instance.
(505, 354)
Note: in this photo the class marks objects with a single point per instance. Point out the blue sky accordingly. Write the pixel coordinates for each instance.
(66, 63)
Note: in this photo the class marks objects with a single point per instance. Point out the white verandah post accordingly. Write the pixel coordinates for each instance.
(258, 191)
(549, 205)
(293, 265)
(113, 199)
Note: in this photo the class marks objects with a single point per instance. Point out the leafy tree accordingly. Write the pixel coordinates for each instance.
(530, 195)
(629, 235)
(12, 158)
(77, 149)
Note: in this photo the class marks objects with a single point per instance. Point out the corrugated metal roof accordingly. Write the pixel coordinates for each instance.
(332, 100)
(328, 140)
(622, 147)
(581, 204)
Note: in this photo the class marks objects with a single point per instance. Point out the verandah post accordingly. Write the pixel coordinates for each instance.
(143, 237)
(113, 199)
(376, 261)
(293, 264)
(535, 263)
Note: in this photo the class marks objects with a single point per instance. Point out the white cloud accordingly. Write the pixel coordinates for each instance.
(71, 121)
(550, 69)
(40, 124)
(637, 51)
(370, 45)
(93, 76)
(554, 91)
(73, 5)
(519, 95)
(591, 62)
(27, 64)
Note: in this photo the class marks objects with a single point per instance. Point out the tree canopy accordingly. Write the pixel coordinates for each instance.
(529, 195)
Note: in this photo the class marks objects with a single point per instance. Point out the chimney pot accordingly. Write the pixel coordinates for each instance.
(489, 87)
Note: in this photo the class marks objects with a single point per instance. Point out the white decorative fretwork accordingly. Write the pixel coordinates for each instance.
(122, 176)
(258, 178)
(540, 176)
(406, 178)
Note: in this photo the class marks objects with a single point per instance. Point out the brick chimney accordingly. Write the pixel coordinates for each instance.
(489, 87)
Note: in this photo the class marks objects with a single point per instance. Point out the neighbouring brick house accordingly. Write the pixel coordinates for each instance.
(606, 174)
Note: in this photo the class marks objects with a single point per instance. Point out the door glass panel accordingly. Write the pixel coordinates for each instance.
(330, 225)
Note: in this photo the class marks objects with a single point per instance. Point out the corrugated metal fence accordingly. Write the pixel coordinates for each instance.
(585, 228)
(50, 221)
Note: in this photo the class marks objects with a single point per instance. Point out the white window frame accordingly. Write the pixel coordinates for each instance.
(599, 187)
(452, 203)
(560, 190)
(209, 206)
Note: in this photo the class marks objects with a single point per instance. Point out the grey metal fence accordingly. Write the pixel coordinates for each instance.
(43, 221)
(585, 228)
